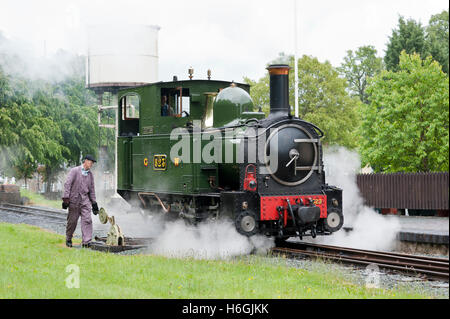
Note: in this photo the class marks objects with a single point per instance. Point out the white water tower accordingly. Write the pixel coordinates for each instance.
(120, 56)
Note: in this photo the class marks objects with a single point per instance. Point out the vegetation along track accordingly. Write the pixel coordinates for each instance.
(421, 266)
(55, 216)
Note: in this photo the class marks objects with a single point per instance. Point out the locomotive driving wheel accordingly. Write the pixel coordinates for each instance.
(246, 223)
(334, 220)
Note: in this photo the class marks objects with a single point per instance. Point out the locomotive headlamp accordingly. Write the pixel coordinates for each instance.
(191, 73)
(176, 161)
(335, 202)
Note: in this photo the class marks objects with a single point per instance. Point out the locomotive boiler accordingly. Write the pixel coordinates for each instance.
(197, 150)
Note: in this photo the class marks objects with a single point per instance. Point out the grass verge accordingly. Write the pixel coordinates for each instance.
(39, 200)
(34, 264)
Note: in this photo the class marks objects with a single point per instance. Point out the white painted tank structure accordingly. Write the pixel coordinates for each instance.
(121, 55)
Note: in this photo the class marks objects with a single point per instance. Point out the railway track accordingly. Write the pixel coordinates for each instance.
(419, 266)
(56, 216)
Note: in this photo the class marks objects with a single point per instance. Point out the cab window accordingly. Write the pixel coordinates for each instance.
(130, 105)
(175, 102)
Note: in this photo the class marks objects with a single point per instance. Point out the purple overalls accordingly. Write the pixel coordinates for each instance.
(81, 193)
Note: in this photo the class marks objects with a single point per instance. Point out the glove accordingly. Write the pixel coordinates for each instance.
(65, 203)
(95, 208)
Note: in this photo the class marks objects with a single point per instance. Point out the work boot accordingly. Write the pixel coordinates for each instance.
(87, 245)
(69, 243)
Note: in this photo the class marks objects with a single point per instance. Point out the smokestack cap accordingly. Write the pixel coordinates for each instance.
(278, 69)
(279, 89)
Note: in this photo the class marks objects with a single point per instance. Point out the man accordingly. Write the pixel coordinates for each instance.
(79, 197)
(165, 108)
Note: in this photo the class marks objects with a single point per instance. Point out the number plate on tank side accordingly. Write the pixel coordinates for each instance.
(159, 162)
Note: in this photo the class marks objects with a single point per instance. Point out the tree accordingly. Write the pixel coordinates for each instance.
(323, 100)
(259, 92)
(358, 67)
(7, 134)
(45, 122)
(405, 127)
(410, 37)
(437, 38)
(76, 129)
(39, 139)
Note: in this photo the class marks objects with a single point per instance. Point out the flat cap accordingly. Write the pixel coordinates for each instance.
(89, 157)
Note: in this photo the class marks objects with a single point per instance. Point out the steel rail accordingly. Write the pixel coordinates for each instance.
(395, 258)
(368, 251)
(34, 211)
(430, 267)
(428, 274)
(36, 208)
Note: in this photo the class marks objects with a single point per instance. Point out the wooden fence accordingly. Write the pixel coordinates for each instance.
(405, 190)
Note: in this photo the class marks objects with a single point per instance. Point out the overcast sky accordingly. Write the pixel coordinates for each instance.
(232, 38)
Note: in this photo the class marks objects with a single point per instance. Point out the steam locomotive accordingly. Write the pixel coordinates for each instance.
(196, 149)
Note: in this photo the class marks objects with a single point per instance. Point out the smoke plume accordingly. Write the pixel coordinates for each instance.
(370, 229)
(209, 240)
(20, 59)
(215, 239)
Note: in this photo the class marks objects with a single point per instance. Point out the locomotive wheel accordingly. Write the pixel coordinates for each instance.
(246, 223)
(334, 220)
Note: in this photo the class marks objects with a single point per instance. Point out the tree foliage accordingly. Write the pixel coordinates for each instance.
(405, 126)
(410, 37)
(358, 67)
(323, 100)
(437, 38)
(45, 122)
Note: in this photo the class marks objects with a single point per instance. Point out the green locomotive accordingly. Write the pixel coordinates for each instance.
(196, 149)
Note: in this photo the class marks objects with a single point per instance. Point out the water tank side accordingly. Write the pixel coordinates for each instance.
(122, 54)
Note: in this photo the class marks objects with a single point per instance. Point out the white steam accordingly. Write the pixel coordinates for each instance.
(20, 59)
(215, 239)
(209, 240)
(370, 229)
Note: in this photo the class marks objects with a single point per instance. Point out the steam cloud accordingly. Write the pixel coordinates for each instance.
(209, 240)
(370, 229)
(20, 59)
(217, 239)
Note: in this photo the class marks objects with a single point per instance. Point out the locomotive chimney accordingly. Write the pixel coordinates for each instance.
(279, 89)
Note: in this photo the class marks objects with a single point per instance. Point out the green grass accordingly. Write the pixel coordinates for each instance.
(39, 200)
(33, 265)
